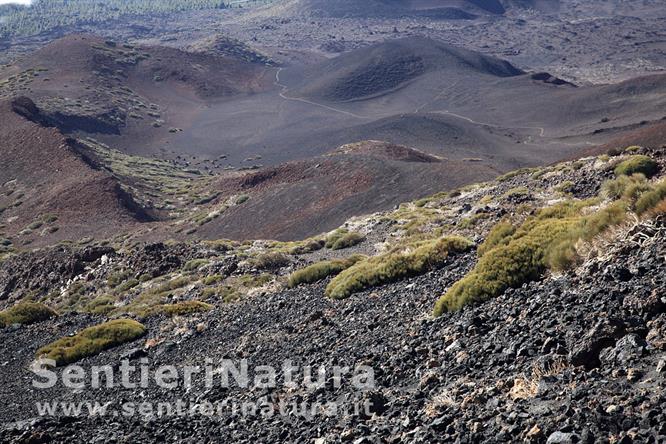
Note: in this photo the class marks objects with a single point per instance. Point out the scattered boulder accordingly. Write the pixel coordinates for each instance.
(586, 352)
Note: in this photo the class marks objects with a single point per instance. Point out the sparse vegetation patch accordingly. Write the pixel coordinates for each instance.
(343, 238)
(322, 270)
(185, 308)
(545, 241)
(637, 164)
(26, 313)
(414, 260)
(92, 341)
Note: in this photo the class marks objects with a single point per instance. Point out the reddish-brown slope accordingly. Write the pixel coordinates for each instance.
(134, 96)
(90, 59)
(42, 176)
(650, 134)
(300, 199)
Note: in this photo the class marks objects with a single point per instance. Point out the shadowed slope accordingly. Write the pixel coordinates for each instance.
(385, 67)
(47, 191)
(441, 9)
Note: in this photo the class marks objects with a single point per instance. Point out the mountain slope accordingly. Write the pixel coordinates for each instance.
(548, 6)
(49, 192)
(92, 85)
(300, 199)
(390, 65)
(439, 9)
(504, 369)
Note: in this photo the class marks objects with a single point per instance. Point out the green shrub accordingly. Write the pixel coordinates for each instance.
(615, 189)
(127, 285)
(517, 191)
(563, 255)
(308, 246)
(49, 218)
(26, 313)
(173, 284)
(650, 199)
(418, 259)
(49, 230)
(185, 308)
(515, 173)
(521, 260)
(206, 199)
(611, 215)
(322, 270)
(221, 245)
(499, 235)
(255, 281)
(271, 261)
(422, 202)
(637, 164)
(565, 187)
(347, 240)
(35, 225)
(101, 305)
(485, 200)
(228, 294)
(636, 190)
(225, 293)
(335, 236)
(194, 264)
(568, 208)
(213, 279)
(117, 278)
(544, 241)
(470, 222)
(242, 199)
(209, 292)
(92, 341)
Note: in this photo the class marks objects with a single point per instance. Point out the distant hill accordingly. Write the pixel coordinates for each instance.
(101, 62)
(392, 64)
(89, 84)
(223, 108)
(299, 199)
(442, 9)
(537, 5)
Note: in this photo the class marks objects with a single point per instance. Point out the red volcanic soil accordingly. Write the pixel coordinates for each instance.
(43, 178)
(385, 150)
(95, 60)
(300, 199)
(131, 96)
(650, 134)
(210, 76)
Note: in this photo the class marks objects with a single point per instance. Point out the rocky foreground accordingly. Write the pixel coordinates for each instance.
(576, 356)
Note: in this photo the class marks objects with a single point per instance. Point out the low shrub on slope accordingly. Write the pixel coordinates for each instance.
(417, 259)
(322, 270)
(512, 256)
(92, 341)
(26, 313)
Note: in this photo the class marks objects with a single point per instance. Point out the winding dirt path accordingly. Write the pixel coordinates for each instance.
(285, 89)
(542, 131)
